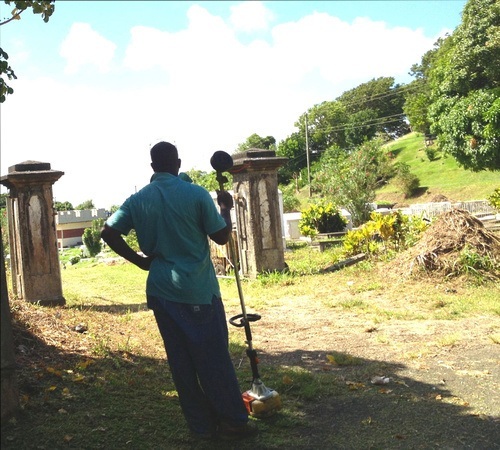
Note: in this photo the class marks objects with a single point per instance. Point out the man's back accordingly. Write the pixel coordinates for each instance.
(172, 219)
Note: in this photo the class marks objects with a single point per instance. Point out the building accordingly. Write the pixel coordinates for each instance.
(70, 225)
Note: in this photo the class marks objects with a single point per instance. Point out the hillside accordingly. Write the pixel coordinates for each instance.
(440, 177)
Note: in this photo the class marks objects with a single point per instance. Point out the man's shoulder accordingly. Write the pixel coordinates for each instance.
(195, 189)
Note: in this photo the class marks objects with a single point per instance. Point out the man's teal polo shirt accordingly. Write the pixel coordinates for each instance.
(172, 219)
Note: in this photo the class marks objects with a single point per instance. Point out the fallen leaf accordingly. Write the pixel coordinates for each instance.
(331, 359)
(367, 421)
(55, 372)
(354, 386)
(287, 380)
(84, 364)
(385, 391)
(67, 438)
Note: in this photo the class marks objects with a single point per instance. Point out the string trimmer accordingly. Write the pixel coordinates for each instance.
(260, 401)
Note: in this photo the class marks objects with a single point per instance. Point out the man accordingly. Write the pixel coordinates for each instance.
(172, 219)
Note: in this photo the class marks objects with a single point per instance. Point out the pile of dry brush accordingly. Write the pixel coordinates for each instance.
(454, 243)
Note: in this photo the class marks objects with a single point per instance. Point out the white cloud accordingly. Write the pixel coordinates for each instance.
(251, 16)
(84, 46)
(201, 87)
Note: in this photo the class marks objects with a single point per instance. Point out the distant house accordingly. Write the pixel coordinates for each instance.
(70, 225)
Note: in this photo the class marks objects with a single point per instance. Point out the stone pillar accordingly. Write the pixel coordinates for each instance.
(36, 273)
(258, 221)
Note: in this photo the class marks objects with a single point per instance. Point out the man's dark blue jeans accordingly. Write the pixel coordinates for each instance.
(196, 342)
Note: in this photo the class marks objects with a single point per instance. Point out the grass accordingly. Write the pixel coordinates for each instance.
(112, 388)
(441, 176)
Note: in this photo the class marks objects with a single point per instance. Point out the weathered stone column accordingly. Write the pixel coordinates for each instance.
(255, 184)
(36, 273)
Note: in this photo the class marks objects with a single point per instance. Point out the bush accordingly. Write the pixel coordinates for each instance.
(131, 240)
(290, 201)
(494, 199)
(92, 237)
(321, 218)
(383, 233)
(74, 260)
(431, 153)
(405, 180)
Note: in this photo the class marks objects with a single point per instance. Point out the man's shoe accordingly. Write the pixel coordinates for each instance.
(229, 433)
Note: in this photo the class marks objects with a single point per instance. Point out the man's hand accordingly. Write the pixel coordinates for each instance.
(225, 200)
(145, 262)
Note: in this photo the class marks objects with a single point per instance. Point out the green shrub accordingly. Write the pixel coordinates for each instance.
(472, 263)
(494, 199)
(431, 153)
(405, 180)
(92, 237)
(384, 233)
(290, 201)
(321, 218)
(131, 240)
(74, 260)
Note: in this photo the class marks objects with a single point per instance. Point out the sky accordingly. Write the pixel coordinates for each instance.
(103, 81)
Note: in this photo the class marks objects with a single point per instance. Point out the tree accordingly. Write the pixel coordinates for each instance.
(358, 115)
(294, 149)
(385, 99)
(360, 127)
(350, 179)
(10, 400)
(208, 180)
(325, 126)
(63, 206)
(256, 141)
(87, 204)
(418, 92)
(465, 89)
(45, 8)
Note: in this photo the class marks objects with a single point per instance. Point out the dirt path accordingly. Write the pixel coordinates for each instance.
(444, 376)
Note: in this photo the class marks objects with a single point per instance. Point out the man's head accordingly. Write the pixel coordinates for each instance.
(164, 158)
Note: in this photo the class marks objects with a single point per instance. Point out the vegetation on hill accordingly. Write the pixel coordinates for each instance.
(440, 177)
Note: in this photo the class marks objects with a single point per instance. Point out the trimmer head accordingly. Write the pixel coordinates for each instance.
(260, 401)
(221, 161)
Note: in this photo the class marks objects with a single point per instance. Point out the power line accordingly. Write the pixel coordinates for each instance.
(394, 92)
(377, 121)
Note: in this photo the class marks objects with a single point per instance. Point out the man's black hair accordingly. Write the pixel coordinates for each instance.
(164, 157)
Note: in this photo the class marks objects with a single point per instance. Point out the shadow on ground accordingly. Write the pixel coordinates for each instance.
(124, 400)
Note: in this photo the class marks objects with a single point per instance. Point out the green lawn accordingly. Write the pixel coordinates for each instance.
(441, 176)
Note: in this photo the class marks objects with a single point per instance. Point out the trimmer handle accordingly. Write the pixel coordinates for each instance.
(241, 317)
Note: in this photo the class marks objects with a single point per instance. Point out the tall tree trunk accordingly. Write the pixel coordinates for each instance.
(10, 394)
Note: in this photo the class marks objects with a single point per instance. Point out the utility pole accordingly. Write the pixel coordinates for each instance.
(307, 156)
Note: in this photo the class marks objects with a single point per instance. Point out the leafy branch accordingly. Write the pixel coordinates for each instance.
(43, 7)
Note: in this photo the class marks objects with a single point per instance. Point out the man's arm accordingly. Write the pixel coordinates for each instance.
(115, 240)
